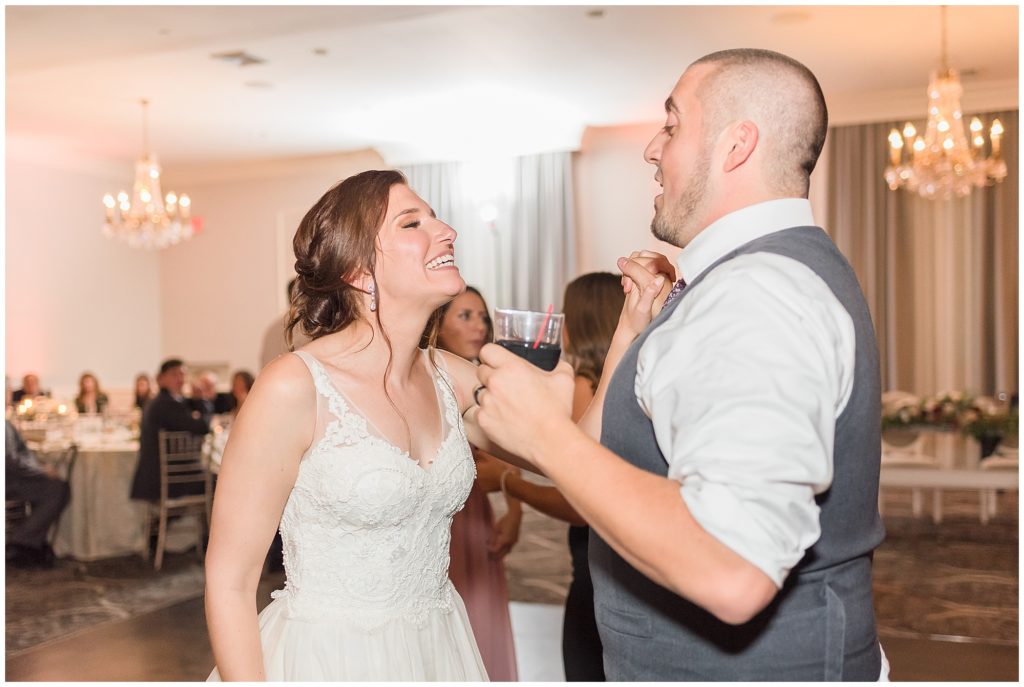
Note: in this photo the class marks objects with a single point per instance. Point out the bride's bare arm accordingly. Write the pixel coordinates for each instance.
(463, 374)
(258, 471)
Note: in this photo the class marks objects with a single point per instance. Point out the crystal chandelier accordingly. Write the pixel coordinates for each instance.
(146, 218)
(945, 161)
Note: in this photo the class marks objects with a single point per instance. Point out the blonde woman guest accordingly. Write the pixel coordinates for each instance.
(90, 398)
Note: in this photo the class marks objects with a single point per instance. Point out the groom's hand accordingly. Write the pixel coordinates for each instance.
(523, 407)
(646, 291)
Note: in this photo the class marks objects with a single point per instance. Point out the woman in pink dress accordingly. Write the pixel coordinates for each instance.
(479, 542)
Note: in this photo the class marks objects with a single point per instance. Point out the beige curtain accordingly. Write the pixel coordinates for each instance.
(940, 276)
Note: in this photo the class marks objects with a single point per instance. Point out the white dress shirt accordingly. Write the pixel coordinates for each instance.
(743, 384)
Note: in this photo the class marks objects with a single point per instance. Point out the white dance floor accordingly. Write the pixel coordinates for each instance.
(537, 632)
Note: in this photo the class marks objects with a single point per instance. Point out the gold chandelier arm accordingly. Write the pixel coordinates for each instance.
(145, 126)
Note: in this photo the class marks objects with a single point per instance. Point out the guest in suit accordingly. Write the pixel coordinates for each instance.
(90, 398)
(206, 400)
(47, 494)
(143, 391)
(733, 495)
(30, 388)
(168, 411)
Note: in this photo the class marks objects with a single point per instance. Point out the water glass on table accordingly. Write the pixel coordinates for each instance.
(536, 336)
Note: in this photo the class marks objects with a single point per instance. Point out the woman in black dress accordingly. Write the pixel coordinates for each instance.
(592, 306)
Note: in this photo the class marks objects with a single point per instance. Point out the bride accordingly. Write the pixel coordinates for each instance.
(356, 444)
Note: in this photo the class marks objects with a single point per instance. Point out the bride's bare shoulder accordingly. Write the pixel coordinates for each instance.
(462, 373)
(287, 377)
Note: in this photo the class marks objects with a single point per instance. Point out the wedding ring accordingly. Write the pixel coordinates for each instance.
(476, 394)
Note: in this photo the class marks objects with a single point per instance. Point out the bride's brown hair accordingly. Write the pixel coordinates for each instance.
(335, 243)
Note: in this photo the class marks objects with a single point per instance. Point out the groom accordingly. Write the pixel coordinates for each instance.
(733, 495)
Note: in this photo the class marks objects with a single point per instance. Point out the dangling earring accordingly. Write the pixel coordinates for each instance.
(372, 290)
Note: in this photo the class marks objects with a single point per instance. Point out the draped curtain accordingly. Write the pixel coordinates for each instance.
(940, 276)
(515, 221)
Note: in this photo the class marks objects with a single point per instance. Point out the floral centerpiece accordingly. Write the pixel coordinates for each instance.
(982, 417)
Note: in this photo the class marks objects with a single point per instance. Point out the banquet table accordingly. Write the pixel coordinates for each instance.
(101, 521)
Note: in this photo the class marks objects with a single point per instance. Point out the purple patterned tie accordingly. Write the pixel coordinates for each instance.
(677, 289)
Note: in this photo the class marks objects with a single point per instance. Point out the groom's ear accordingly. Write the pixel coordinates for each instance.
(742, 139)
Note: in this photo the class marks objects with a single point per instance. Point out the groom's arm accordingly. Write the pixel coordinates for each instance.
(618, 500)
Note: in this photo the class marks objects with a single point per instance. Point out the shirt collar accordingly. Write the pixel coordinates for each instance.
(740, 227)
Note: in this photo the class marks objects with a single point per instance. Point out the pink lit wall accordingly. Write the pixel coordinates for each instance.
(221, 290)
(75, 300)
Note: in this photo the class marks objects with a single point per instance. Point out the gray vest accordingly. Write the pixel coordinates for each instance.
(821, 625)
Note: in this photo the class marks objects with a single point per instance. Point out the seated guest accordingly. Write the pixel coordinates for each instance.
(241, 385)
(168, 411)
(143, 390)
(30, 388)
(47, 494)
(90, 399)
(206, 400)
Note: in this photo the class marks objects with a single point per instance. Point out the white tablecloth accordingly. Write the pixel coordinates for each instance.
(100, 521)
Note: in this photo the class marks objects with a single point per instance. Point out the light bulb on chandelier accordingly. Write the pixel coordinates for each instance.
(945, 162)
(147, 218)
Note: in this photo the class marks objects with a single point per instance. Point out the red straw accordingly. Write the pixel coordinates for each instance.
(543, 326)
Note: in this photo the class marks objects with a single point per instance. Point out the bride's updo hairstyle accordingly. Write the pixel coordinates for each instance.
(335, 242)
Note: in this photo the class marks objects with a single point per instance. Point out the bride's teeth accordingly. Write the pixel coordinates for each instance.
(440, 261)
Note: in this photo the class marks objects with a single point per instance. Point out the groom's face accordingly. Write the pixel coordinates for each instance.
(683, 158)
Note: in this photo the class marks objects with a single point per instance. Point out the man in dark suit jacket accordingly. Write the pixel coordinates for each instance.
(30, 388)
(168, 411)
(206, 400)
(27, 480)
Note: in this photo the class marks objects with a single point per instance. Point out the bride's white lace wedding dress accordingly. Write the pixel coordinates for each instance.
(366, 532)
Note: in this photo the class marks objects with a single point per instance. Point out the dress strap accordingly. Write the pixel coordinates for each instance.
(451, 403)
(324, 387)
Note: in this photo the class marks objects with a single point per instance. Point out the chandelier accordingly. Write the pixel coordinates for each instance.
(945, 161)
(146, 218)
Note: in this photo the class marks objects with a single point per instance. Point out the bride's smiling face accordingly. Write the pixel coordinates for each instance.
(415, 253)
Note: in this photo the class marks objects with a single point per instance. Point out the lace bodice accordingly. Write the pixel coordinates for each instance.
(366, 529)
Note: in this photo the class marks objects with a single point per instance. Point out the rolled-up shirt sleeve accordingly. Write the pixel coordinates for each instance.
(743, 384)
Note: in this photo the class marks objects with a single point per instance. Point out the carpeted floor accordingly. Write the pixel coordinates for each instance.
(47, 605)
(959, 579)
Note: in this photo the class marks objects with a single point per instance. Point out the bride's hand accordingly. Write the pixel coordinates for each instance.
(647, 280)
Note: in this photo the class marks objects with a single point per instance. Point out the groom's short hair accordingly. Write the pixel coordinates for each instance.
(781, 96)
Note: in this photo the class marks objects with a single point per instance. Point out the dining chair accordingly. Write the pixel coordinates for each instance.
(181, 464)
(905, 449)
(1004, 458)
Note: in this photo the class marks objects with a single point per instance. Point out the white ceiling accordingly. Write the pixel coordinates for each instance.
(433, 82)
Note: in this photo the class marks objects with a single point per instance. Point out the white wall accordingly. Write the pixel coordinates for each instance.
(615, 188)
(75, 300)
(615, 192)
(220, 291)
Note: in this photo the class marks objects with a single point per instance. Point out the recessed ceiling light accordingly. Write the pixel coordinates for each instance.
(320, 52)
(595, 14)
(239, 57)
(259, 84)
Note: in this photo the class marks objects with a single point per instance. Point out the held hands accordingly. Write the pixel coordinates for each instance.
(647, 279)
(521, 405)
